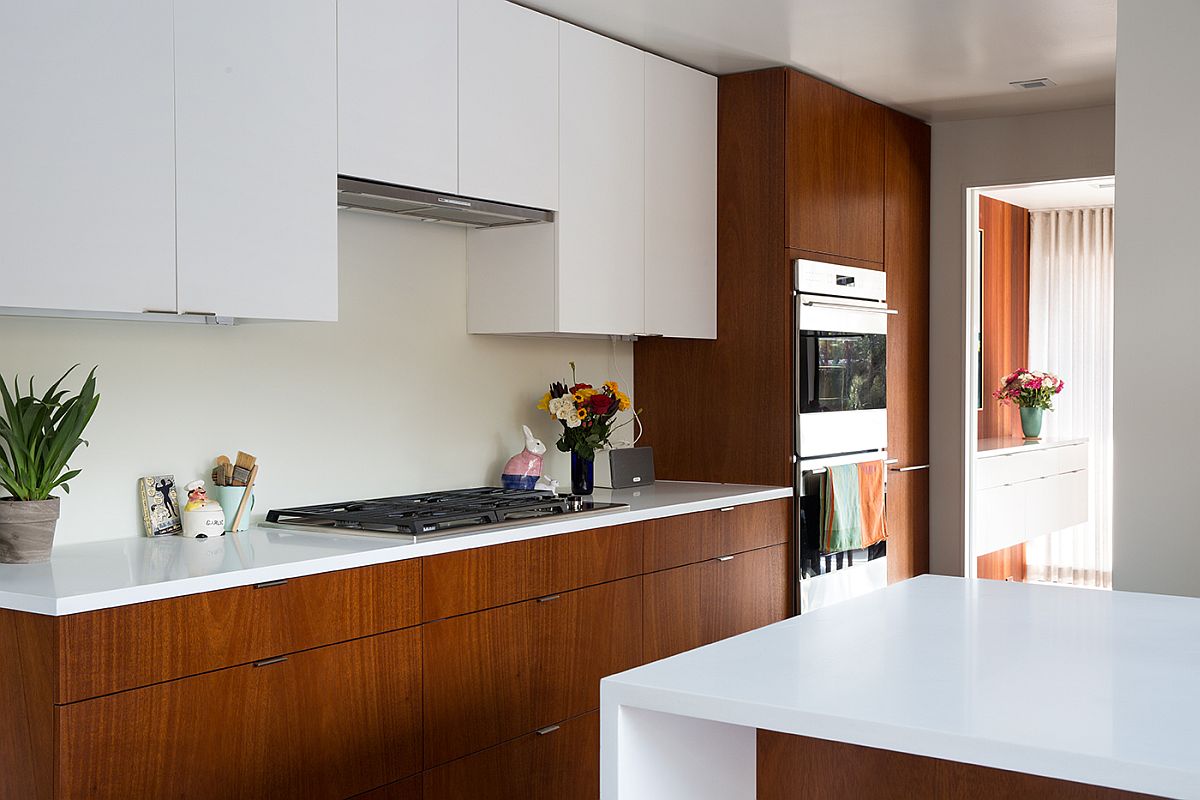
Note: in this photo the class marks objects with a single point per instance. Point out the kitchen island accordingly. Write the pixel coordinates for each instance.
(934, 687)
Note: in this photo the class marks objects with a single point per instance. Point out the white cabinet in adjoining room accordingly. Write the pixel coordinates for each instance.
(256, 152)
(507, 103)
(681, 200)
(601, 220)
(398, 92)
(87, 176)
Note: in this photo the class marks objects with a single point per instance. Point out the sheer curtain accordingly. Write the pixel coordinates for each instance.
(1071, 335)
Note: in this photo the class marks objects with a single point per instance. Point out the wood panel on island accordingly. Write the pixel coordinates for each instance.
(473, 673)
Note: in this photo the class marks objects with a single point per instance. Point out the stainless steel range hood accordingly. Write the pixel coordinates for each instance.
(420, 204)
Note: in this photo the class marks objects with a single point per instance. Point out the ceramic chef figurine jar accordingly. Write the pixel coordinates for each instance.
(202, 517)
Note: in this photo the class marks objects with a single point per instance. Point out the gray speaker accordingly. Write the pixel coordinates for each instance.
(625, 468)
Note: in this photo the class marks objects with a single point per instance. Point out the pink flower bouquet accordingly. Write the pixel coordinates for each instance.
(1027, 389)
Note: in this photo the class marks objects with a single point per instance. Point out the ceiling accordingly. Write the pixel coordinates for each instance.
(936, 59)
(1059, 194)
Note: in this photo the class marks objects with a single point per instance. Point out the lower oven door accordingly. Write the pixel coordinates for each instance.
(841, 375)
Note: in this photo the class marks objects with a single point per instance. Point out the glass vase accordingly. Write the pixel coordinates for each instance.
(583, 475)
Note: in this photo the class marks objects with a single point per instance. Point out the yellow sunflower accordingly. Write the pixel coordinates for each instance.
(577, 397)
(581, 413)
(544, 403)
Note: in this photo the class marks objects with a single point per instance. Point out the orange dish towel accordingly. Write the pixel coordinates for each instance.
(853, 507)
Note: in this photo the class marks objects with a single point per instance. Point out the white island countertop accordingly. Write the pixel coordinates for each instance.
(1097, 687)
(116, 572)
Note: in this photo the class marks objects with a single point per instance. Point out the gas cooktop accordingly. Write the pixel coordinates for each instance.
(424, 516)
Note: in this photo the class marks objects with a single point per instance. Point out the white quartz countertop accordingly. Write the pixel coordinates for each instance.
(1003, 446)
(104, 574)
(1083, 685)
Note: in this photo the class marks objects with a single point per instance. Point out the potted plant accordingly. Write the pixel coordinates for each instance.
(1033, 393)
(39, 435)
(586, 415)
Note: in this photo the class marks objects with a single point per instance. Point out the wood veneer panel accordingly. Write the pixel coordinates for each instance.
(686, 539)
(1005, 308)
(28, 652)
(676, 615)
(908, 525)
(1003, 565)
(751, 591)
(754, 525)
(330, 722)
(835, 163)
(483, 577)
(584, 558)
(129, 646)
(829, 258)
(749, 365)
(803, 768)
(408, 789)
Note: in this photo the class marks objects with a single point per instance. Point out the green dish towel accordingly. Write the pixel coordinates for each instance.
(841, 510)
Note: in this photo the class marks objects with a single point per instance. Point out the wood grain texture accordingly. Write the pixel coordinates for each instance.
(496, 674)
(828, 258)
(1003, 565)
(1005, 308)
(670, 542)
(486, 577)
(906, 261)
(407, 789)
(750, 362)
(330, 722)
(835, 163)
(129, 646)
(751, 591)
(560, 765)
(754, 525)
(28, 664)
(804, 768)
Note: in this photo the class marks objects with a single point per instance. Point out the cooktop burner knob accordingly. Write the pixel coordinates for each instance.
(574, 502)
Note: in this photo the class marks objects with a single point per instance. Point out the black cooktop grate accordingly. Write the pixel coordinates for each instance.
(426, 513)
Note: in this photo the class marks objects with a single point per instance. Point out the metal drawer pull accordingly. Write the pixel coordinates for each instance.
(159, 311)
(725, 558)
(850, 307)
(269, 584)
(911, 469)
(266, 662)
(548, 598)
(728, 508)
(547, 729)
(891, 461)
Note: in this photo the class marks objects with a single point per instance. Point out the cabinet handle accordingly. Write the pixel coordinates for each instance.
(158, 311)
(269, 584)
(891, 461)
(266, 662)
(548, 598)
(547, 729)
(910, 469)
(728, 508)
(725, 558)
(201, 313)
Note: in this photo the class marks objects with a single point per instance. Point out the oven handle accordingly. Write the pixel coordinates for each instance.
(849, 307)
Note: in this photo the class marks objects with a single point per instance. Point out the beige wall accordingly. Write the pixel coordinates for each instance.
(396, 397)
(1033, 147)
(1156, 540)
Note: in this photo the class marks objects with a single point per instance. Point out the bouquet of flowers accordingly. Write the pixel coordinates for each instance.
(585, 412)
(1027, 389)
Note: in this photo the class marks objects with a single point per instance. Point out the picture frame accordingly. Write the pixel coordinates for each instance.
(160, 505)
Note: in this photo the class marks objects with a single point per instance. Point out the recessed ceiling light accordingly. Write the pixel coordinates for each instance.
(1033, 83)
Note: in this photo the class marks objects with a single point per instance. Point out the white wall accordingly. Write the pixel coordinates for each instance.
(1033, 147)
(1157, 536)
(394, 398)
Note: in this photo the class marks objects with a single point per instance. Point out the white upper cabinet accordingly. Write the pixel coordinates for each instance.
(87, 172)
(601, 219)
(681, 200)
(256, 157)
(398, 92)
(507, 103)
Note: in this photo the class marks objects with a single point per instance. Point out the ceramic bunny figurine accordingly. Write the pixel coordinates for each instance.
(523, 470)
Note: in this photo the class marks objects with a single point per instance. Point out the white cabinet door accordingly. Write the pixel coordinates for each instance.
(507, 103)
(256, 153)
(681, 200)
(601, 219)
(398, 92)
(87, 170)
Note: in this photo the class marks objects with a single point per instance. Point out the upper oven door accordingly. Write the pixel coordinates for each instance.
(841, 354)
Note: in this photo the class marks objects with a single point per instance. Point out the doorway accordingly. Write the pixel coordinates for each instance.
(1040, 427)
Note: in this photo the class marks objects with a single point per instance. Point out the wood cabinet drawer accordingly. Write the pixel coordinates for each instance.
(497, 674)
(130, 646)
(486, 577)
(329, 722)
(690, 538)
(751, 590)
(559, 764)
(407, 789)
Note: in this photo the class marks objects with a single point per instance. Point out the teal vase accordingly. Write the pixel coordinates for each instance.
(1031, 422)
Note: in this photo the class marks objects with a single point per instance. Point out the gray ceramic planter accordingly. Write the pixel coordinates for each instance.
(27, 530)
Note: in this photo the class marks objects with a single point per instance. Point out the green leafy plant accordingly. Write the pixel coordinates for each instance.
(40, 434)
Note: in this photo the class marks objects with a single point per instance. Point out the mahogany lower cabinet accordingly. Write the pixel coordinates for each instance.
(559, 762)
(698, 604)
(497, 674)
(907, 524)
(324, 723)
